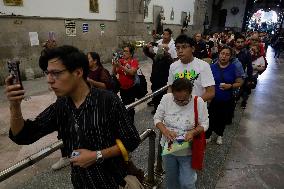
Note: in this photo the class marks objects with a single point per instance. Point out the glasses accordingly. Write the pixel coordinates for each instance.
(182, 47)
(55, 73)
(225, 54)
(182, 102)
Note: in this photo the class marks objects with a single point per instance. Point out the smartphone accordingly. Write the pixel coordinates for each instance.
(14, 70)
(75, 154)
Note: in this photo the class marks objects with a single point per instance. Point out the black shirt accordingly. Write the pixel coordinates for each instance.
(101, 119)
(244, 57)
(160, 69)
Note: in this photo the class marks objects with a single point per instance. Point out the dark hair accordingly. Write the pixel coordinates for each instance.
(96, 56)
(185, 39)
(182, 84)
(230, 49)
(130, 47)
(168, 30)
(71, 57)
(239, 36)
(197, 34)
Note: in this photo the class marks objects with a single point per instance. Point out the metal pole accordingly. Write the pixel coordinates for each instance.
(151, 159)
(6, 173)
(159, 168)
(140, 101)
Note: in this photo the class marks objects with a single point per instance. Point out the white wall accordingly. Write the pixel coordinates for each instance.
(182, 5)
(62, 8)
(234, 20)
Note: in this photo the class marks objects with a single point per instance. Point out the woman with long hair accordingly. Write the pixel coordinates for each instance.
(98, 76)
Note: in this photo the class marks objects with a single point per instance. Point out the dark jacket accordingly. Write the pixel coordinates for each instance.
(160, 68)
(200, 50)
(244, 57)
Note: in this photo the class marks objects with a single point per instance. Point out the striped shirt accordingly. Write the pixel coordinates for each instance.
(95, 125)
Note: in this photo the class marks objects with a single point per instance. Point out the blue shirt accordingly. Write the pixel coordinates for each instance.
(226, 75)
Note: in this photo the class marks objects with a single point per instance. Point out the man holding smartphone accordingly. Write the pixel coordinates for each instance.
(88, 120)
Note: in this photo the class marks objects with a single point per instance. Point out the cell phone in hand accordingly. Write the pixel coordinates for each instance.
(14, 70)
(75, 154)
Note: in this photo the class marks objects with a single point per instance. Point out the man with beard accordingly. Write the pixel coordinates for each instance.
(244, 57)
(200, 47)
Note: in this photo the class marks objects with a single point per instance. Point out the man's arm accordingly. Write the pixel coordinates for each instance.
(26, 131)
(209, 93)
(15, 96)
(16, 119)
(88, 157)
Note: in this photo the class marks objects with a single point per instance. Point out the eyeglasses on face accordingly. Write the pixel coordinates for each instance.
(181, 102)
(54, 73)
(182, 47)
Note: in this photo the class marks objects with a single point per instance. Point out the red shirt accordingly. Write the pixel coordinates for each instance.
(126, 81)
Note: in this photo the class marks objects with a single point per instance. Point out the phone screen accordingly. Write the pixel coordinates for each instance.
(14, 70)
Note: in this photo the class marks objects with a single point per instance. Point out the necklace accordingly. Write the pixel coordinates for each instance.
(76, 116)
(76, 119)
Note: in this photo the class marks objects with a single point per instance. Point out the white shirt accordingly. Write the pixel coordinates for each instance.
(180, 118)
(172, 48)
(189, 71)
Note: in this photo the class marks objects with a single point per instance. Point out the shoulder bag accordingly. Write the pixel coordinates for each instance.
(198, 144)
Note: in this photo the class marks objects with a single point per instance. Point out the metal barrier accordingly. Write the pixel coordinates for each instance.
(150, 180)
(147, 97)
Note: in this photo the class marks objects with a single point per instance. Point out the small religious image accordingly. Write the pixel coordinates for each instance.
(94, 6)
(13, 2)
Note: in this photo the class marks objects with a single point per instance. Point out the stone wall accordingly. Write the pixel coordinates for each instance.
(128, 26)
(15, 42)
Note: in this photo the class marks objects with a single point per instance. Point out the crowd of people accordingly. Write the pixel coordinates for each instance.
(98, 132)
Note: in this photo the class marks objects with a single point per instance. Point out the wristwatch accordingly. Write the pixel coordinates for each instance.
(100, 158)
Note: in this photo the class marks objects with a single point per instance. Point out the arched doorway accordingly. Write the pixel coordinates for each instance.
(263, 21)
(252, 6)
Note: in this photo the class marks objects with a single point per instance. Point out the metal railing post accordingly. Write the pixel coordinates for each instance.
(151, 159)
(159, 168)
(6, 173)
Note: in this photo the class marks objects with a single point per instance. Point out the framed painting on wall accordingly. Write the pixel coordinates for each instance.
(94, 6)
(13, 2)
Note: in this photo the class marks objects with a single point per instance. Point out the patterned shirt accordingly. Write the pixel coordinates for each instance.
(95, 125)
